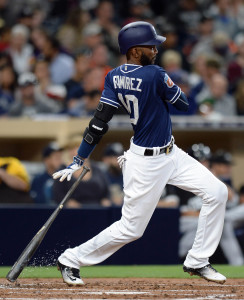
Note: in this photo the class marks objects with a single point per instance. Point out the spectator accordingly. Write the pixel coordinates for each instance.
(61, 65)
(74, 85)
(204, 41)
(93, 80)
(235, 69)
(172, 43)
(100, 59)
(27, 103)
(223, 18)
(70, 32)
(221, 164)
(218, 102)
(209, 67)
(86, 106)
(105, 17)
(92, 36)
(7, 88)
(20, 50)
(239, 96)
(171, 61)
(113, 171)
(41, 186)
(14, 181)
(93, 189)
(46, 89)
(38, 39)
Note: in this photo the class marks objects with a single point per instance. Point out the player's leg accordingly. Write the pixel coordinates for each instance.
(194, 177)
(143, 186)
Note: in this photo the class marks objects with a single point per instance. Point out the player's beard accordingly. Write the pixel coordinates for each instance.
(145, 60)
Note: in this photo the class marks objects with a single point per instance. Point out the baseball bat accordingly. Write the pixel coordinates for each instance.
(31, 248)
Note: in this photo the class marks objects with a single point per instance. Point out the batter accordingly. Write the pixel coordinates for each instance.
(153, 160)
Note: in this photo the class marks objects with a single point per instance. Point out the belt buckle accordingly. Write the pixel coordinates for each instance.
(167, 150)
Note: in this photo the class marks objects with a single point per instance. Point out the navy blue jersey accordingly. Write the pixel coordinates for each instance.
(144, 92)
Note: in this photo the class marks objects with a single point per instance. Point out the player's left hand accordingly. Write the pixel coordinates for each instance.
(68, 171)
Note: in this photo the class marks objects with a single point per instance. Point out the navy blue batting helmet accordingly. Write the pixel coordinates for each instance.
(138, 34)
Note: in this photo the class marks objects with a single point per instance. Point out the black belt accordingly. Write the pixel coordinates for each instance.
(167, 150)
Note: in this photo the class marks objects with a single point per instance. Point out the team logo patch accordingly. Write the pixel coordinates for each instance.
(168, 81)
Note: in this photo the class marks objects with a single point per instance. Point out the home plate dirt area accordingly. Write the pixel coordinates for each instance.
(115, 288)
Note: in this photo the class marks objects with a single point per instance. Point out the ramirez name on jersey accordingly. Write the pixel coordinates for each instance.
(128, 83)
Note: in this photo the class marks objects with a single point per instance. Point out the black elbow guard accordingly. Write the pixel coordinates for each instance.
(95, 131)
(104, 112)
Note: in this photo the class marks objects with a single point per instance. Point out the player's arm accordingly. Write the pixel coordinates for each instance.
(169, 91)
(97, 127)
(181, 102)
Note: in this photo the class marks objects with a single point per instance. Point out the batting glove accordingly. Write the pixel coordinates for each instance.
(68, 172)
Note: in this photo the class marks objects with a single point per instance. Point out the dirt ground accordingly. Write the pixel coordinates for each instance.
(116, 288)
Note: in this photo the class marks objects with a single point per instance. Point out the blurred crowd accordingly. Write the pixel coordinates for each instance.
(54, 55)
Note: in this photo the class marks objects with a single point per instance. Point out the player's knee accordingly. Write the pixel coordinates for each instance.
(131, 233)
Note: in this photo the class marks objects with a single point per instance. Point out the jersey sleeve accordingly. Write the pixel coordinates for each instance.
(109, 95)
(167, 89)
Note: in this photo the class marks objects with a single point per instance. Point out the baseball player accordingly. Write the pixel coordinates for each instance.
(152, 161)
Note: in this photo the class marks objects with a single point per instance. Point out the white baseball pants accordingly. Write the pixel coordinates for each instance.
(144, 180)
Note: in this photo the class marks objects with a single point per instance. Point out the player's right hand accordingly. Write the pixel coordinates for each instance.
(68, 171)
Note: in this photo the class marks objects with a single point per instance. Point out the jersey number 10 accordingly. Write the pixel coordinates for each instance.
(130, 103)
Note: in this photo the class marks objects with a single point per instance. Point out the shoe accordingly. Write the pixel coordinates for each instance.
(207, 272)
(71, 276)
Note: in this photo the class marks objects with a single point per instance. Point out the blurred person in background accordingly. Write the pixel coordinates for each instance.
(171, 61)
(93, 190)
(235, 68)
(209, 66)
(204, 41)
(92, 87)
(100, 59)
(70, 32)
(92, 36)
(218, 103)
(221, 164)
(27, 103)
(224, 20)
(46, 89)
(7, 87)
(61, 65)
(20, 51)
(136, 10)
(14, 181)
(93, 80)
(41, 185)
(239, 97)
(86, 105)
(74, 86)
(38, 38)
(105, 17)
(171, 43)
(113, 171)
